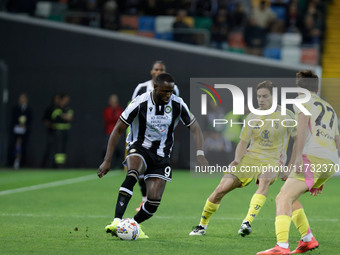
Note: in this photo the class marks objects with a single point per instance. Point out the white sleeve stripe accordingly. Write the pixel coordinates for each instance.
(192, 122)
(125, 121)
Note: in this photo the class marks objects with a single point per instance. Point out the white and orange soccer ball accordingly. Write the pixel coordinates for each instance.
(128, 229)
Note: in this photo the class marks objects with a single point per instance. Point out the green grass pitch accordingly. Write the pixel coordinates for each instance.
(65, 212)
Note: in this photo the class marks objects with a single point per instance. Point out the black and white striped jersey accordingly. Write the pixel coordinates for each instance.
(148, 87)
(152, 126)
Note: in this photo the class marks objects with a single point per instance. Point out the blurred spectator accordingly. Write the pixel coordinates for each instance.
(316, 14)
(280, 1)
(129, 7)
(110, 15)
(21, 6)
(310, 32)
(263, 15)
(255, 37)
(47, 121)
(169, 7)
(20, 128)
(218, 149)
(219, 30)
(180, 24)
(111, 115)
(150, 7)
(293, 22)
(238, 17)
(232, 132)
(206, 8)
(61, 117)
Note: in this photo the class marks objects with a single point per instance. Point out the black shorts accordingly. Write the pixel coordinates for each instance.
(155, 166)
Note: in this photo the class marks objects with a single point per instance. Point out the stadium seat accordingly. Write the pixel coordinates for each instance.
(291, 55)
(148, 34)
(168, 36)
(309, 56)
(203, 22)
(128, 31)
(128, 22)
(146, 23)
(43, 9)
(273, 53)
(274, 40)
(236, 50)
(163, 24)
(291, 39)
(236, 40)
(280, 12)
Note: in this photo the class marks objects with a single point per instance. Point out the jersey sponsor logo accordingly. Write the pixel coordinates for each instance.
(324, 134)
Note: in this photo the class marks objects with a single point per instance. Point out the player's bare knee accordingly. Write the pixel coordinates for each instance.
(282, 197)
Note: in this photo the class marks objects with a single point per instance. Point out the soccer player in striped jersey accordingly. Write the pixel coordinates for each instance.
(317, 152)
(152, 117)
(264, 157)
(158, 67)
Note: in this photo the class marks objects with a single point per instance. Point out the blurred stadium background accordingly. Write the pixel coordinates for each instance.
(94, 48)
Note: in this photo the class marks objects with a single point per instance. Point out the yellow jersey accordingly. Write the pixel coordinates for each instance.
(269, 135)
(322, 129)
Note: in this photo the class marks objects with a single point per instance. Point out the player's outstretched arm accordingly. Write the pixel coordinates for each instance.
(241, 150)
(118, 130)
(285, 174)
(195, 129)
(300, 141)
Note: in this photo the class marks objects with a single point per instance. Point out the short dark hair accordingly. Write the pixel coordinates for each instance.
(307, 79)
(157, 62)
(164, 77)
(265, 85)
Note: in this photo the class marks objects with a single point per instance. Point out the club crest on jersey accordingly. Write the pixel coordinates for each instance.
(265, 134)
(132, 151)
(150, 108)
(167, 109)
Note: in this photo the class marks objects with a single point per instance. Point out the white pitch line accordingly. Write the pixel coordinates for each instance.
(155, 217)
(51, 184)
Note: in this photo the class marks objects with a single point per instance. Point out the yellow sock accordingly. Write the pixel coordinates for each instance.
(301, 222)
(208, 210)
(282, 225)
(256, 202)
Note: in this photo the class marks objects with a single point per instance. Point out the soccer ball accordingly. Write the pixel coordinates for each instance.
(128, 229)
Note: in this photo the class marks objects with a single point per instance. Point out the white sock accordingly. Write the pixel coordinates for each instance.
(144, 199)
(283, 245)
(307, 238)
(204, 226)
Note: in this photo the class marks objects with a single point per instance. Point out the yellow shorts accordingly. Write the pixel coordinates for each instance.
(316, 171)
(250, 168)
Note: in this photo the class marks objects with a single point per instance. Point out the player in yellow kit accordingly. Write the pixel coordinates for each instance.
(317, 151)
(261, 161)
